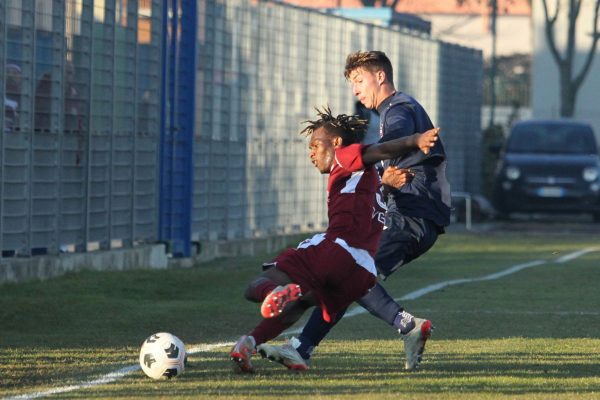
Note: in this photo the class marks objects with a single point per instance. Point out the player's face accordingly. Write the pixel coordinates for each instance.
(322, 150)
(365, 86)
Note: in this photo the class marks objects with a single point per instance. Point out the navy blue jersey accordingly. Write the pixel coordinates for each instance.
(428, 194)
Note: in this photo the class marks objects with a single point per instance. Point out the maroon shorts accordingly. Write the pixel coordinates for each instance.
(329, 272)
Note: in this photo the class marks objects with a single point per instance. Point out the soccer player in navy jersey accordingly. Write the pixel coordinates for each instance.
(417, 211)
(335, 268)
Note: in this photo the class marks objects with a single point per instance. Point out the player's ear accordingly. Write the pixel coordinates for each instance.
(337, 141)
(380, 75)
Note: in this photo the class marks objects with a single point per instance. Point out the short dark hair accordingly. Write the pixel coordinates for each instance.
(372, 61)
(350, 128)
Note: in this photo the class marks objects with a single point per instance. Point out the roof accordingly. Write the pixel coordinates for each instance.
(461, 7)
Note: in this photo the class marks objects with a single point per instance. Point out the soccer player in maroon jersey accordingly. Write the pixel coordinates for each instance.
(335, 268)
(416, 214)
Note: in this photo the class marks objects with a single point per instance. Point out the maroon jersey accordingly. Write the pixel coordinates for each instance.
(355, 207)
(337, 266)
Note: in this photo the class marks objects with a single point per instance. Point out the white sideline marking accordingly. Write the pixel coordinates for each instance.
(432, 288)
(108, 378)
(574, 255)
(113, 376)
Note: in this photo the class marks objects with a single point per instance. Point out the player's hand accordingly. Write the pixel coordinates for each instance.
(395, 177)
(427, 139)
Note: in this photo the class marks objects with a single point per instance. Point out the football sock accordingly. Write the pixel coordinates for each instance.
(405, 322)
(304, 346)
(379, 303)
(268, 329)
(314, 331)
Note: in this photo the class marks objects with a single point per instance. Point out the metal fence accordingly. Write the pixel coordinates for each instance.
(261, 68)
(78, 150)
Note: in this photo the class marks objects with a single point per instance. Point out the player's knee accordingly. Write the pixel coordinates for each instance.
(250, 292)
(254, 290)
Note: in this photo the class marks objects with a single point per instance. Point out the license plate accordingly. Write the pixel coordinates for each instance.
(550, 191)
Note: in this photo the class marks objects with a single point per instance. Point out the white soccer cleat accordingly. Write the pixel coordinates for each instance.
(414, 343)
(285, 355)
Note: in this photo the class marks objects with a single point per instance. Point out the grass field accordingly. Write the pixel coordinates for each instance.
(532, 334)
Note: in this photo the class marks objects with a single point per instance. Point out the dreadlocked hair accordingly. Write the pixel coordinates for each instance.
(350, 128)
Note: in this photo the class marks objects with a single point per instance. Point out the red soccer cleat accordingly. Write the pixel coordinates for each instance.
(276, 301)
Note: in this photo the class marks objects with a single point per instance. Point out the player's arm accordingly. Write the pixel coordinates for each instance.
(398, 147)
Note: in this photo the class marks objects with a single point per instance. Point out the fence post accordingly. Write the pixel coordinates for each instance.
(177, 127)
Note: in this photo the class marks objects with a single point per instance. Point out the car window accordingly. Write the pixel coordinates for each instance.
(552, 139)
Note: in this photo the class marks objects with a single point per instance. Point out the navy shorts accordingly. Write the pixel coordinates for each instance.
(404, 239)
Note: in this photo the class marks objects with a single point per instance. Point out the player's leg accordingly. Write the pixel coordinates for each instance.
(257, 291)
(267, 329)
(274, 288)
(345, 282)
(378, 302)
(314, 331)
(264, 284)
(405, 239)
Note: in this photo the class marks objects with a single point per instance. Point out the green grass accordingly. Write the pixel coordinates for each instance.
(534, 334)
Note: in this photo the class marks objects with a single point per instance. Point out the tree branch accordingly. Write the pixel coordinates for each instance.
(557, 10)
(590, 57)
(577, 8)
(549, 28)
(571, 34)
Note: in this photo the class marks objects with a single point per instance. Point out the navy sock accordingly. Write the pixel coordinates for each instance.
(379, 303)
(405, 322)
(314, 331)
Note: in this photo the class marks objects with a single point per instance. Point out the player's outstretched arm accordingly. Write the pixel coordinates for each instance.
(398, 147)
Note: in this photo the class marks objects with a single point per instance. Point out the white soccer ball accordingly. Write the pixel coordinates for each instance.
(162, 356)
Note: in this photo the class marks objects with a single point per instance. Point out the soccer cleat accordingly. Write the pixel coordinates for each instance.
(285, 355)
(414, 343)
(241, 353)
(281, 296)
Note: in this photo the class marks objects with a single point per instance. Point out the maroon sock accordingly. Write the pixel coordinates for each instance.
(268, 329)
(261, 288)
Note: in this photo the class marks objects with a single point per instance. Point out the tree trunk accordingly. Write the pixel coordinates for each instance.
(568, 93)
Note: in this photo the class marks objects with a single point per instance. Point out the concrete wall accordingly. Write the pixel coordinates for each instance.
(514, 32)
(46, 267)
(545, 78)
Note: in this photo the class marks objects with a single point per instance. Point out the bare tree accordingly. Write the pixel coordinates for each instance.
(570, 83)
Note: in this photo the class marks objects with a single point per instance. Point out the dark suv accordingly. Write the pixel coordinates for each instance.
(549, 166)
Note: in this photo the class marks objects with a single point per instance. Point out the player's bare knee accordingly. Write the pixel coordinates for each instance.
(251, 292)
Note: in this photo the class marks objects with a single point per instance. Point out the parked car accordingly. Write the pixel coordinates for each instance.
(549, 166)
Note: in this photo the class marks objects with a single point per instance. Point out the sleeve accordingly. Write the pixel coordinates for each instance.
(350, 157)
(399, 122)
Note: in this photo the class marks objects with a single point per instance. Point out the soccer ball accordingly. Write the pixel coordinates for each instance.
(162, 356)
